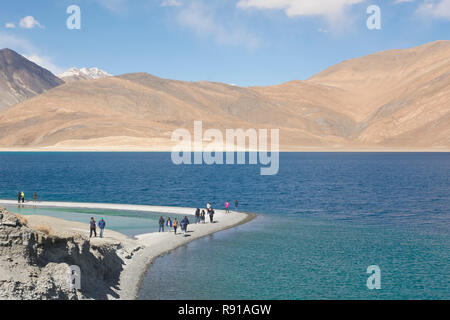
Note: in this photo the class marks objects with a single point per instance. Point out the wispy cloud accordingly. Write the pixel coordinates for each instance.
(10, 25)
(204, 21)
(294, 8)
(44, 62)
(29, 22)
(439, 9)
(171, 3)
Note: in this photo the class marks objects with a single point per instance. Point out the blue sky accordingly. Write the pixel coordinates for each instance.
(243, 42)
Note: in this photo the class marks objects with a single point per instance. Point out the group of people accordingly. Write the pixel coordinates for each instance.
(21, 197)
(200, 217)
(173, 225)
(227, 206)
(93, 227)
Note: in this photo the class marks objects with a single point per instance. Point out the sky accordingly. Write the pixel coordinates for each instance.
(241, 42)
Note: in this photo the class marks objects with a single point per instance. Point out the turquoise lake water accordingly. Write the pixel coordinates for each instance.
(322, 220)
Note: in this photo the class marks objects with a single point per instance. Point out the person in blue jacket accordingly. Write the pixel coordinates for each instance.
(101, 225)
(169, 224)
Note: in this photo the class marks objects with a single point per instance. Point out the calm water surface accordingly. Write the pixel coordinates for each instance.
(323, 220)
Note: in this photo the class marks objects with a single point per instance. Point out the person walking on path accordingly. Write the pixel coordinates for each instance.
(93, 228)
(197, 216)
(236, 204)
(101, 225)
(175, 225)
(35, 197)
(227, 207)
(19, 197)
(202, 216)
(169, 224)
(23, 196)
(211, 215)
(161, 224)
(184, 223)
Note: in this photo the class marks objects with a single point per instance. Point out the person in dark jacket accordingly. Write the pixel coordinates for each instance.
(19, 197)
(101, 225)
(211, 215)
(93, 227)
(161, 224)
(202, 216)
(197, 215)
(184, 223)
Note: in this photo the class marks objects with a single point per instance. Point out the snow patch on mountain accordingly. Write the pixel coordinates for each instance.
(83, 74)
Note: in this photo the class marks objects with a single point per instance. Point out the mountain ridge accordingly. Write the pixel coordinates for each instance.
(392, 100)
(21, 79)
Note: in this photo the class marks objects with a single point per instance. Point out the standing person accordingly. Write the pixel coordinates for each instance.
(227, 207)
(93, 227)
(208, 206)
(169, 224)
(23, 196)
(202, 216)
(161, 224)
(236, 204)
(35, 197)
(19, 197)
(175, 225)
(101, 225)
(184, 223)
(211, 215)
(197, 216)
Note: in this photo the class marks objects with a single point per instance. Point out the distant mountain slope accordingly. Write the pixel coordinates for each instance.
(396, 99)
(399, 97)
(21, 79)
(74, 74)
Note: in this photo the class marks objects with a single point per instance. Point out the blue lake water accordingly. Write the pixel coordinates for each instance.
(323, 220)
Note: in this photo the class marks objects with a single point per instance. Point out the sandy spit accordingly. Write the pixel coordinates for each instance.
(142, 250)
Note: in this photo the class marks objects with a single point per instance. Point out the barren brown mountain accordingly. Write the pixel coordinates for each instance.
(21, 79)
(397, 100)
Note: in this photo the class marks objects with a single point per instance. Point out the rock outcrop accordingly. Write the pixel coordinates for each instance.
(35, 265)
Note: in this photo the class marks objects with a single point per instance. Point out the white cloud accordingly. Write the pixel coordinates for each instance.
(435, 8)
(328, 8)
(171, 3)
(402, 1)
(29, 22)
(10, 25)
(25, 48)
(205, 22)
